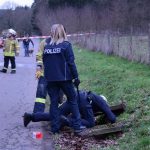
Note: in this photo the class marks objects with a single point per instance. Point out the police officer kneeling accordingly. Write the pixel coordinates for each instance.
(89, 103)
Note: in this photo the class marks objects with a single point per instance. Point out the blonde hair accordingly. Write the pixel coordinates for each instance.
(58, 34)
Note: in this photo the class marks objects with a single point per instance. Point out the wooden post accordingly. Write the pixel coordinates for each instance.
(118, 43)
(149, 43)
(131, 50)
(109, 43)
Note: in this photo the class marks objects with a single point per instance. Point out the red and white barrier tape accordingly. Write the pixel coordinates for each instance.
(43, 37)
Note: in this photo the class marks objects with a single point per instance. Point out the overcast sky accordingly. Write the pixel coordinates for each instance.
(18, 2)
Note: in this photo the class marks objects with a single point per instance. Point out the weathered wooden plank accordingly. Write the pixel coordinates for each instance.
(116, 109)
(105, 129)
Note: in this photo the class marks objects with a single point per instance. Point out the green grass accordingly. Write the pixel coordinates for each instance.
(118, 79)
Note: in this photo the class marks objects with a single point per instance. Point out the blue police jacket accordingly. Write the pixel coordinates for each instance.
(59, 62)
(85, 109)
(99, 104)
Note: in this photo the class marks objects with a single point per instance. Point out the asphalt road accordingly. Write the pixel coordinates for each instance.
(17, 95)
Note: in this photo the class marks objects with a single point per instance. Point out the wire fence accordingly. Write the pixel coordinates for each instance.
(132, 46)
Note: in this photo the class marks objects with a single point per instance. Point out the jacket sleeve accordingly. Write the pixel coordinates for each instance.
(17, 47)
(98, 101)
(23, 41)
(69, 56)
(32, 42)
(39, 54)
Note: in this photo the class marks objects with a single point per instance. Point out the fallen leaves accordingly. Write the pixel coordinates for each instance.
(72, 142)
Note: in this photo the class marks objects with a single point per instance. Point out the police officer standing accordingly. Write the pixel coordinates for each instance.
(11, 48)
(60, 72)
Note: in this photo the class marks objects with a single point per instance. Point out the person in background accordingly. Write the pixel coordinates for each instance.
(10, 48)
(26, 43)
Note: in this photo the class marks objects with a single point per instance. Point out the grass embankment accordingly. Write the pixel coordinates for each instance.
(118, 79)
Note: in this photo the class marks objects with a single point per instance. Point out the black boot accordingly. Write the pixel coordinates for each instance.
(64, 121)
(27, 118)
(79, 131)
(13, 72)
(3, 71)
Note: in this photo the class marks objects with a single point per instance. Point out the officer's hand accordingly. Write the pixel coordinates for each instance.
(38, 74)
(76, 82)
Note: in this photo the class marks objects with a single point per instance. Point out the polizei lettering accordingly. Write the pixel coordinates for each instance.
(52, 51)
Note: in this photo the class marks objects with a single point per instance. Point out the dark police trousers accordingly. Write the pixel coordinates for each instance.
(85, 111)
(67, 87)
(12, 61)
(87, 116)
(41, 93)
